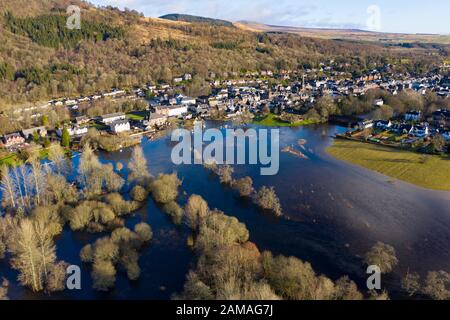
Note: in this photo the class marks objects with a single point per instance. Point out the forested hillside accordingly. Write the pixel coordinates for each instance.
(40, 59)
(190, 18)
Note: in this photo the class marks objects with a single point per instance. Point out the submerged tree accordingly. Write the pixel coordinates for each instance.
(196, 210)
(138, 167)
(267, 199)
(174, 210)
(122, 248)
(383, 256)
(33, 252)
(437, 285)
(57, 155)
(411, 283)
(4, 289)
(244, 186)
(8, 187)
(164, 189)
(96, 177)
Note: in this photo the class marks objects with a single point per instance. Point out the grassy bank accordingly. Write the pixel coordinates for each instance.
(273, 120)
(432, 172)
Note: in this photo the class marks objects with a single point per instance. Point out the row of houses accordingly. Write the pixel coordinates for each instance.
(20, 138)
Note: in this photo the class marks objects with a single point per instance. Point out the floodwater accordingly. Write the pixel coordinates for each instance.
(333, 213)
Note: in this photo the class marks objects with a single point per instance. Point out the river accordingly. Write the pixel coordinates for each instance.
(333, 213)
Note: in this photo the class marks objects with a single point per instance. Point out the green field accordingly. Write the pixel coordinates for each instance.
(137, 115)
(272, 120)
(10, 160)
(432, 172)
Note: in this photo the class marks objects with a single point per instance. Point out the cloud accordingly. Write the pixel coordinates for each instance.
(401, 15)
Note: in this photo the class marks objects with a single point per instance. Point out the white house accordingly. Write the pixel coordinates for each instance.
(366, 124)
(119, 126)
(154, 120)
(114, 93)
(113, 117)
(413, 116)
(378, 102)
(420, 131)
(382, 124)
(73, 131)
(172, 111)
(188, 100)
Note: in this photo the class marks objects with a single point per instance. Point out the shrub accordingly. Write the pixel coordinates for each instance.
(129, 260)
(165, 188)
(218, 230)
(121, 236)
(49, 216)
(226, 174)
(87, 254)
(80, 217)
(267, 199)
(296, 280)
(174, 211)
(56, 279)
(437, 285)
(411, 283)
(196, 210)
(196, 289)
(105, 249)
(4, 289)
(290, 277)
(347, 290)
(244, 186)
(119, 205)
(104, 275)
(139, 193)
(92, 215)
(383, 256)
(144, 231)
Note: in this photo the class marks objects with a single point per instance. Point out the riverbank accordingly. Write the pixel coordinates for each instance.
(427, 171)
(273, 120)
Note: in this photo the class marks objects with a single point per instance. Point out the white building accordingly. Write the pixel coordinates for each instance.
(420, 131)
(120, 126)
(172, 111)
(188, 100)
(113, 117)
(378, 102)
(155, 120)
(73, 131)
(366, 124)
(413, 116)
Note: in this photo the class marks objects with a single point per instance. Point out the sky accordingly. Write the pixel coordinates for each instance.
(401, 16)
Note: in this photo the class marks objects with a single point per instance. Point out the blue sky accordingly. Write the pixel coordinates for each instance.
(406, 16)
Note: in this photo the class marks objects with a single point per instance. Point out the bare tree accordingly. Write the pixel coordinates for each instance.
(138, 167)
(7, 188)
(57, 155)
(26, 254)
(37, 180)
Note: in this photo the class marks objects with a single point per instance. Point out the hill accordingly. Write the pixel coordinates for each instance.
(40, 59)
(346, 34)
(196, 19)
